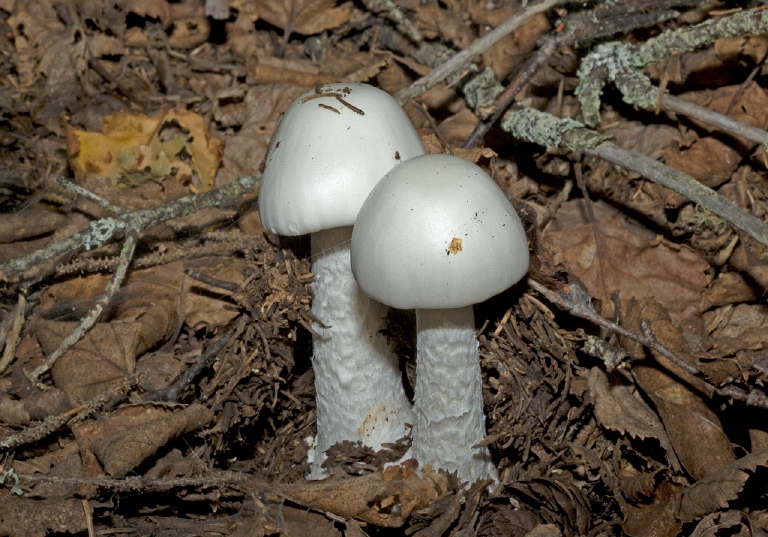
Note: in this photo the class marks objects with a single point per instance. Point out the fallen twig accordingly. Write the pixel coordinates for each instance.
(592, 24)
(106, 230)
(126, 255)
(621, 62)
(12, 330)
(574, 301)
(538, 127)
(172, 391)
(51, 424)
(462, 59)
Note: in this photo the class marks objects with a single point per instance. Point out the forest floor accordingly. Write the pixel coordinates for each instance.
(156, 378)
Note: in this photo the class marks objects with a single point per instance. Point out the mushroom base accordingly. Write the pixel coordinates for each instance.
(360, 394)
(448, 400)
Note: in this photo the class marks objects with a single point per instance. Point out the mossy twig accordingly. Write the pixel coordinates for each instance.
(621, 62)
(544, 129)
(106, 230)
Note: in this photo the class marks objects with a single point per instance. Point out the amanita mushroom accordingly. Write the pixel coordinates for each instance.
(332, 146)
(437, 235)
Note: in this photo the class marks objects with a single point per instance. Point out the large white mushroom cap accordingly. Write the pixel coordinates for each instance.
(332, 146)
(437, 232)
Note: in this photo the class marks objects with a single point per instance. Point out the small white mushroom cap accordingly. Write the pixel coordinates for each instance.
(437, 232)
(332, 146)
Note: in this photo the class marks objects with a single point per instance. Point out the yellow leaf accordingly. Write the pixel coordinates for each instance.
(134, 148)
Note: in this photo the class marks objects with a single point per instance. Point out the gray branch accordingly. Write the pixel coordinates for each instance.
(621, 62)
(107, 230)
(547, 130)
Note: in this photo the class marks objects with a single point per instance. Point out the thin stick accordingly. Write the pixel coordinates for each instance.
(14, 331)
(173, 391)
(462, 59)
(686, 185)
(584, 310)
(134, 483)
(51, 424)
(722, 122)
(87, 194)
(593, 24)
(622, 62)
(126, 255)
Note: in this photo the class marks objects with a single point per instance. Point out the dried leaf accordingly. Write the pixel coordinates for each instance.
(433, 146)
(732, 523)
(143, 313)
(714, 491)
(632, 264)
(300, 521)
(383, 499)
(729, 48)
(306, 17)
(34, 406)
(503, 521)
(618, 407)
(100, 360)
(707, 159)
(512, 50)
(356, 67)
(737, 328)
(694, 429)
(745, 103)
(134, 148)
(728, 288)
(637, 487)
(556, 501)
(132, 434)
(262, 107)
(29, 223)
(658, 518)
(207, 305)
(434, 21)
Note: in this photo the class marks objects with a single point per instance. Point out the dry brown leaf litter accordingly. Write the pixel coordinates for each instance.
(583, 449)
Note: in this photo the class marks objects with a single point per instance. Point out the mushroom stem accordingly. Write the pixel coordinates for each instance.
(448, 402)
(360, 394)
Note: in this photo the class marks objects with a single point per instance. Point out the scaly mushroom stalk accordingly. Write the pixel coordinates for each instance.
(357, 379)
(331, 148)
(448, 417)
(437, 235)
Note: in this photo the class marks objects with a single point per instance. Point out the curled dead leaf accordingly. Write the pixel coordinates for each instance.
(306, 17)
(382, 498)
(694, 429)
(720, 487)
(132, 434)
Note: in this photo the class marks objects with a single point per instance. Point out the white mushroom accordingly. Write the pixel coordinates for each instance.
(437, 235)
(332, 146)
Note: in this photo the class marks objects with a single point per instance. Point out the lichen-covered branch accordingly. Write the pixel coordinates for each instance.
(621, 62)
(107, 230)
(638, 90)
(544, 129)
